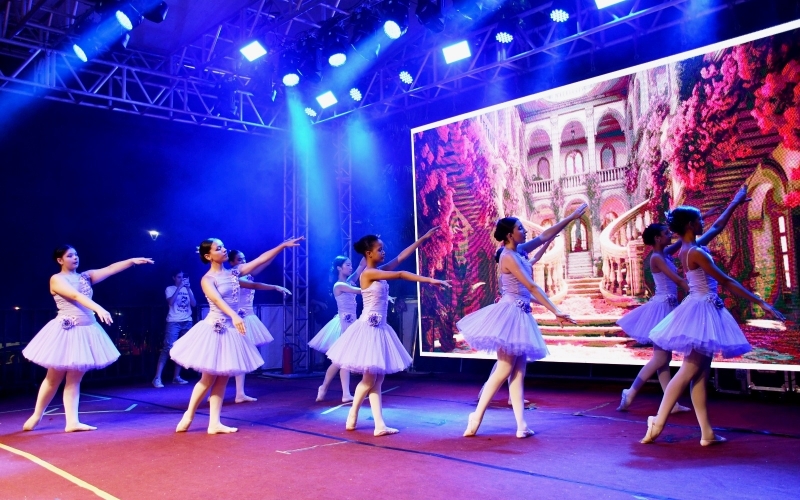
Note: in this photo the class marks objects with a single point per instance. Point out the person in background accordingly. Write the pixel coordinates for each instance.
(180, 300)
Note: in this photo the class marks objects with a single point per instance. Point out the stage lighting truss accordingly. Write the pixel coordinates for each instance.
(253, 50)
(334, 45)
(395, 17)
(429, 13)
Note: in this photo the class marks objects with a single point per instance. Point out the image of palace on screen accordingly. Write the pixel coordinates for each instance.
(631, 147)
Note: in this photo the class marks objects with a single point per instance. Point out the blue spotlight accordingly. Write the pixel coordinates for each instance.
(327, 99)
(504, 37)
(253, 51)
(290, 79)
(79, 52)
(395, 17)
(559, 12)
(602, 4)
(355, 94)
(337, 59)
(456, 52)
(128, 17)
(406, 77)
(123, 20)
(310, 112)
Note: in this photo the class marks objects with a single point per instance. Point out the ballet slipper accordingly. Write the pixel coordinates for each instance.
(651, 431)
(184, 424)
(524, 433)
(321, 394)
(679, 408)
(352, 420)
(347, 399)
(221, 429)
(472, 425)
(31, 423)
(79, 427)
(623, 402)
(709, 442)
(385, 432)
(244, 398)
(525, 402)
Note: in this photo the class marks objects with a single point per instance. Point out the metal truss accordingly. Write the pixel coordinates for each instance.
(344, 182)
(296, 318)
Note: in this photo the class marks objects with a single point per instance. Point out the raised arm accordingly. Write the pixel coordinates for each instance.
(703, 260)
(353, 278)
(739, 199)
(207, 284)
(341, 288)
(392, 264)
(552, 231)
(59, 285)
(267, 257)
(371, 275)
(540, 253)
(510, 264)
(98, 275)
(255, 285)
(657, 264)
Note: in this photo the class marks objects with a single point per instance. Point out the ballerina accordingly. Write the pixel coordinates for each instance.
(254, 328)
(507, 327)
(217, 346)
(345, 294)
(370, 346)
(699, 327)
(638, 323)
(73, 342)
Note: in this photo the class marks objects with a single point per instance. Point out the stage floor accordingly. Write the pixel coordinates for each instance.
(290, 447)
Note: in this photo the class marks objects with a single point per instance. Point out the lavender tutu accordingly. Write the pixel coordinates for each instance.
(214, 346)
(74, 340)
(369, 345)
(256, 330)
(330, 333)
(638, 323)
(63, 345)
(701, 323)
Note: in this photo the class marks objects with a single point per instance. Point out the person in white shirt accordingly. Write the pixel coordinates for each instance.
(179, 320)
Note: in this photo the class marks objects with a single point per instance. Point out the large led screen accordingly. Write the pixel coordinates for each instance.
(691, 129)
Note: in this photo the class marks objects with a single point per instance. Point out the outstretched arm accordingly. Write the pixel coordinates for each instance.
(98, 275)
(540, 253)
(739, 199)
(207, 284)
(255, 285)
(392, 264)
(267, 257)
(62, 287)
(346, 288)
(371, 275)
(703, 260)
(551, 232)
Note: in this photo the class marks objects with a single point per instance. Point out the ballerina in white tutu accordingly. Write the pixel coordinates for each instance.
(254, 328)
(217, 346)
(370, 346)
(699, 327)
(638, 323)
(507, 327)
(345, 294)
(74, 342)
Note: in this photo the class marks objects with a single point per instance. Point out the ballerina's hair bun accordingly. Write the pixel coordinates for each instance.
(337, 263)
(60, 251)
(651, 231)
(680, 218)
(205, 249)
(363, 245)
(504, 227)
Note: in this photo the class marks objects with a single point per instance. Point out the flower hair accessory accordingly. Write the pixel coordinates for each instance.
(525, 306)
(219, 325)
(374, 319)
(69, 322)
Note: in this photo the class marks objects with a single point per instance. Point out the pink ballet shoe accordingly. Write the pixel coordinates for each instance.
(472, 425)
(709, 442)
(347, 399)
(352, 421)
(623, 402)
(651, 432)
(244, 398)
(679, 408)
(321, 394)
(385, 432)
(524, 433)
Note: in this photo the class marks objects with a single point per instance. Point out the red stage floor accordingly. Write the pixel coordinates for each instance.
(289, 447)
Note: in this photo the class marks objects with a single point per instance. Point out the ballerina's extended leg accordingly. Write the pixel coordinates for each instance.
(516, 389)
(47, 391)
(241, 397)
(72, 399)
(215, 408)
(347, 396)
(198, 393)
(505, 364)
(362, 390)
(376, 403)
(329, 374)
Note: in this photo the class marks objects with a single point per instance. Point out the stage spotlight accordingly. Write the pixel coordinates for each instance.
(504, 33)
(309, 50)
(602, 4)
(80, 52)
(429, 14)
(559, 11)
(355, 94)
(456, 52)
(287, 68)
(327, 99)
(365, 39)
(311, 112)
(406, 77)
(128, 17)
(395, 17)
(253, 50)
(334, 46)
(157, 13)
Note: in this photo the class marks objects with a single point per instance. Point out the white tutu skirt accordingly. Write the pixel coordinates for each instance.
(256, 331)
(638, 323)
(329, 334)
(364, 348)
(504, 327)
(699, 325)
(226, 353)
(82, 347)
